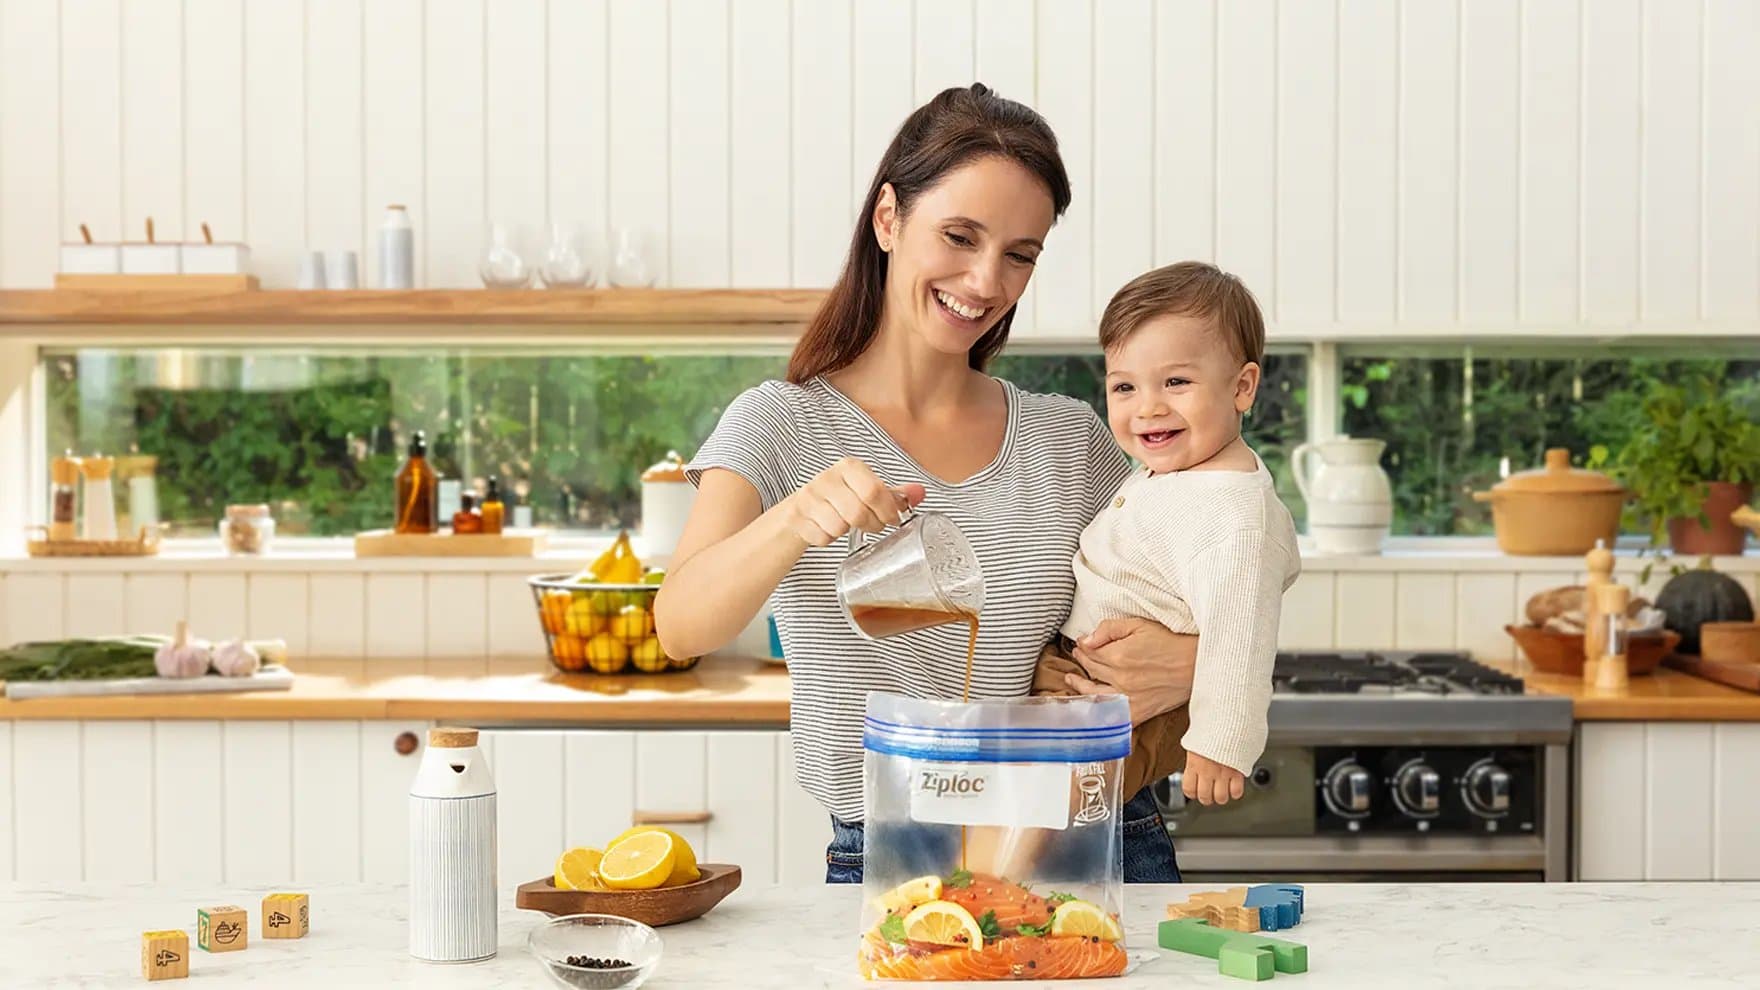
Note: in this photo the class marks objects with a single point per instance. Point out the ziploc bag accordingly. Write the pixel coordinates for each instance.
(993, 846)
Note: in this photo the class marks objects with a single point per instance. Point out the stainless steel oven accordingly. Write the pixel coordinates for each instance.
(1391, 766)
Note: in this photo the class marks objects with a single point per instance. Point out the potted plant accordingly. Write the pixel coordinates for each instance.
(1691, 460)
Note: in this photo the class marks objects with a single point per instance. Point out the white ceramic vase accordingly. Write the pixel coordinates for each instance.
(1349, 496)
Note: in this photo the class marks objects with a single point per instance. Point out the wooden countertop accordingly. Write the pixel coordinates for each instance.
(725, 690)
(1666, 695)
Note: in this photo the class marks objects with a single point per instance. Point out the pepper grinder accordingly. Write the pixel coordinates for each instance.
(1600, 564)
(1610, 671)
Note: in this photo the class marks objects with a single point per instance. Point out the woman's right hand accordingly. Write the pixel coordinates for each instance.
(847, 495)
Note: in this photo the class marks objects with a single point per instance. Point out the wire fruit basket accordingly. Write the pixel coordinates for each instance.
(602, 628)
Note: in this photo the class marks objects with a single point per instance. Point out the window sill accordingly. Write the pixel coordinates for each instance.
(570, 552)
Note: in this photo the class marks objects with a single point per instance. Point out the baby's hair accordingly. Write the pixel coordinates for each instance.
(1188, 288)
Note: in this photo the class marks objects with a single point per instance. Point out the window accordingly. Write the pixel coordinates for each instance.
(318, 436)
(1457, 419)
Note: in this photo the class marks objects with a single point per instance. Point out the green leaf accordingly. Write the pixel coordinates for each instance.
(1034, 930)
(989, 925)
(892, 929)
(1057, 897)
(960, 879)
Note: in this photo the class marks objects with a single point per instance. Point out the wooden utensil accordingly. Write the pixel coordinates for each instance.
(1610, 671)
(1744, 676)
(657, 907)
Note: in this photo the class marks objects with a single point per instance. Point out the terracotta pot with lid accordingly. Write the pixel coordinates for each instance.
(1556, 510)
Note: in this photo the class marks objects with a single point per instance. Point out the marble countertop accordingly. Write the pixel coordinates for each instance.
(1421, 935)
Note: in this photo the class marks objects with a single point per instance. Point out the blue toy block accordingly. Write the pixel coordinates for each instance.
(1238, 954)
(1280, 906)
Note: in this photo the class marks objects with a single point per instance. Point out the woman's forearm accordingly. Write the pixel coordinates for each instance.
(714, 593)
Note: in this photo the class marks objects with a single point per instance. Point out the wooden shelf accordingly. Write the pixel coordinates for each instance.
(170, 317)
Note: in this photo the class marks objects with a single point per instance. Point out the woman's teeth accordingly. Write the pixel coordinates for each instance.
(959, 309)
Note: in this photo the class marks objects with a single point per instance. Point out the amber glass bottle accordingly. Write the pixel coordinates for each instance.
(466, 519)
(494, 510)
(417, 490)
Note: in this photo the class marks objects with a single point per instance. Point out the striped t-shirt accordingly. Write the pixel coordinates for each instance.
(1023, 515)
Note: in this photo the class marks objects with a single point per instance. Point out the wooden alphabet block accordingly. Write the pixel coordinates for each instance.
(1221, 908)
(1280, 905)
(222, 929)
(286, 916)
(165, 955)
(1237, 954)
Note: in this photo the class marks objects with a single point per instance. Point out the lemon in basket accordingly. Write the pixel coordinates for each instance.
(631, 623)
(648, 657)
(607, 654)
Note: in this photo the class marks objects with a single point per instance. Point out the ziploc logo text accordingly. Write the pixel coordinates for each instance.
(941, 783)
(1021, 795)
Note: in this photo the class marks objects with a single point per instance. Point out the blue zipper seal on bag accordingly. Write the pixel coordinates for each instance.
(998, 744)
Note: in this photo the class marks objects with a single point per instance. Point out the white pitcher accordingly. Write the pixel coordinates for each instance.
(1349, 496)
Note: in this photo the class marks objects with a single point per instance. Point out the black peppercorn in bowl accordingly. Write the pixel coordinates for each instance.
(596, 951)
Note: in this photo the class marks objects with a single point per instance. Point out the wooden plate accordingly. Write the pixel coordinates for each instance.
(661, 906)
(1562, 653)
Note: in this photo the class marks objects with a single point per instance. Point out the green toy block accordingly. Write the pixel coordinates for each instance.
(1238, 954)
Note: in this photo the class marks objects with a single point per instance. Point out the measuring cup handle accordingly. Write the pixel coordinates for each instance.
(858, 539)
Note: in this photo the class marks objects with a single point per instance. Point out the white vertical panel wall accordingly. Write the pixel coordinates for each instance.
(1430, 164)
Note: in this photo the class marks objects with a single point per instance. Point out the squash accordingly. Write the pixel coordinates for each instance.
(1692, 598)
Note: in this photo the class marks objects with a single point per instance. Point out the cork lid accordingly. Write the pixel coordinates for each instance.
(1558, 477)
(670, 468)
(97, 467)
(452, 738)
(64, 470)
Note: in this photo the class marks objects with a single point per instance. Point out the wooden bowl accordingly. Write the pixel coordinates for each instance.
(1730, 642)
(658, 907)
(1562, 653)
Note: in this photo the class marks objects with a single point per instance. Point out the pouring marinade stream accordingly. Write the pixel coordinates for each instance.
(964, 925)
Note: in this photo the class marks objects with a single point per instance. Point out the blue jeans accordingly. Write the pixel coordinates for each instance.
(1148, 849)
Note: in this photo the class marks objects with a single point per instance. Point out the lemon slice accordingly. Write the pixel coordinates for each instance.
(578, 869)
(1086, 920)
(943, 923)
(640, 862)
(684, 868)
(911, 893)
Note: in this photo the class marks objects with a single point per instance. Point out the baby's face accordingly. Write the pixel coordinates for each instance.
(1175, 393)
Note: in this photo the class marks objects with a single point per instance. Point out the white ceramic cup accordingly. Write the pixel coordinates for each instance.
(311, 270)
(342, 270)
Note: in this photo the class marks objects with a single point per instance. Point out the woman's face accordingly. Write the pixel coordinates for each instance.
(962, 256)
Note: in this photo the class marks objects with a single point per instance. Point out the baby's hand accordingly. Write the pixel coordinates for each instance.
(1209, 782)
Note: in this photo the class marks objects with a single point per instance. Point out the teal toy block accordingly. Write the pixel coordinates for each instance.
(1280, 905)
(1238, 954)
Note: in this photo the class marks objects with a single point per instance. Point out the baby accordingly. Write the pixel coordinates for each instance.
(1196, 538)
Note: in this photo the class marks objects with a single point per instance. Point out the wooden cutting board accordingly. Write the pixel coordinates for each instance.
(1745, 676)
(274, 678)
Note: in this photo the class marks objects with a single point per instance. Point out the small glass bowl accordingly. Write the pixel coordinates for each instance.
(596, 936)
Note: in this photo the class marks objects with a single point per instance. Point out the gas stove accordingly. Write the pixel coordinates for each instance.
(1387, 764)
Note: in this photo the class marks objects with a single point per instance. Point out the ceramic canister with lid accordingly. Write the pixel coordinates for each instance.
(452, 851)
(667, 496)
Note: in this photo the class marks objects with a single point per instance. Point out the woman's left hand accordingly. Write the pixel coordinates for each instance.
(1139, 658)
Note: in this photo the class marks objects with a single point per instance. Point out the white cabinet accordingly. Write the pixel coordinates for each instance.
(731, 794)
(279, 802)
(1667, 801)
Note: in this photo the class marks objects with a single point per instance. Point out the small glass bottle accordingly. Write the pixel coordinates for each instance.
(416, 490)
(64, 497)
(494, 510)
(467, 519)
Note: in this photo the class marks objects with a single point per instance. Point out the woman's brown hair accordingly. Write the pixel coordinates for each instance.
(958, 126)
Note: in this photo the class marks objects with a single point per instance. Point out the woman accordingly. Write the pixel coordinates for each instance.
(886, 403)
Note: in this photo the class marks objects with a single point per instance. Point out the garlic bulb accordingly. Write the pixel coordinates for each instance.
(236, 658)
(180, 657)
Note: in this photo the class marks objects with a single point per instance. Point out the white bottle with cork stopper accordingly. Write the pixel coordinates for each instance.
(100, 497)
(452, 851)
(667, 497)
(397, 249)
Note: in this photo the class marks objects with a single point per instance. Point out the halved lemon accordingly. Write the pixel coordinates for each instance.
(1086, 920)
(684, 868)
(640, 862)
(943, 923)
(578, 869)
(911, 893)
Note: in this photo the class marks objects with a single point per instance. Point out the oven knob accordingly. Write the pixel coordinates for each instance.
(1486, 789)
(1417, 789)
(1346, 790)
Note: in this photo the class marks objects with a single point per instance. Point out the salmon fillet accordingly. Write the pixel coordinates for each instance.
(1015, 958)
(1014, 905)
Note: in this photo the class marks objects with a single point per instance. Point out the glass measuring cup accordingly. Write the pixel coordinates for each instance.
(921, 575)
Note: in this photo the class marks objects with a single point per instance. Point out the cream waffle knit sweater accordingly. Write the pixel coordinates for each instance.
(1206, 552)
